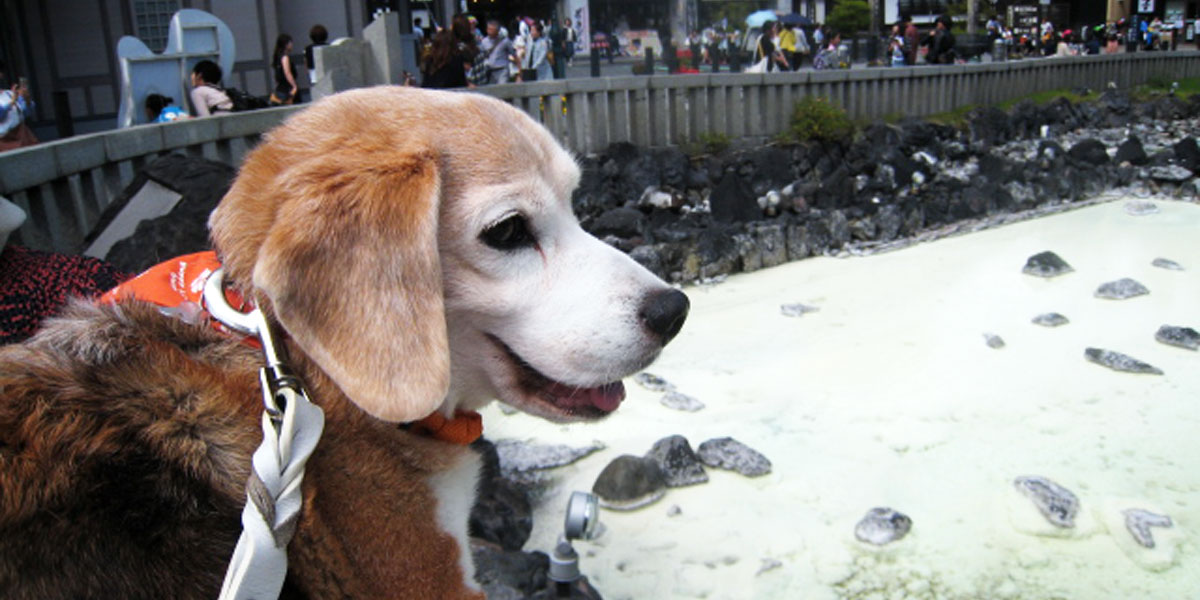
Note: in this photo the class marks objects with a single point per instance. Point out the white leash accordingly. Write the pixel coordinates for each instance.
(291, 429)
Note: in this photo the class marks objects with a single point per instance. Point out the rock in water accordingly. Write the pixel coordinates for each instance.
(1052, 319)
(1055, 502)
(1139, 208)
(993, 340)
(1139, 522)
(679, 463)
(796, 309)
(1046, 264)
(1121, 289)
(1119, 362)
(677, 401)
(728, 453)
(1165, 263)
(882, 525)
(629, 482)
(1184, 337)
(653, 382)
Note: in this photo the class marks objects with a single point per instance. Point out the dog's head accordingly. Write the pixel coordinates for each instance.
(420, 247)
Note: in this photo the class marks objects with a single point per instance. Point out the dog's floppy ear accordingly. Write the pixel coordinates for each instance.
(350, 265)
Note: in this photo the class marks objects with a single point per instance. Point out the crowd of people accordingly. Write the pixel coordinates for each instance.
(464, 55)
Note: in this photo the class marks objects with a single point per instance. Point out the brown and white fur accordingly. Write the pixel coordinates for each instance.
(416, 252)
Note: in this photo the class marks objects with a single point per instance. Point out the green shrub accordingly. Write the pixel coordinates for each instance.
(816, 118)
(709, 142)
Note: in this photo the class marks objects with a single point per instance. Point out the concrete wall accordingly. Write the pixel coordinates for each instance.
(64, 186)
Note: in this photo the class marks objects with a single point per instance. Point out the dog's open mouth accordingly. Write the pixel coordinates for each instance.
(566, 401)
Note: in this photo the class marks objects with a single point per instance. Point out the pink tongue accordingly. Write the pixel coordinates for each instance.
(606, 397)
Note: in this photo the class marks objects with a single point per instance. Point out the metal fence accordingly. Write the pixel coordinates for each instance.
(64, 186)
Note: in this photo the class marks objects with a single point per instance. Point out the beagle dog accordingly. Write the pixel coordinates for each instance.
(417, 254)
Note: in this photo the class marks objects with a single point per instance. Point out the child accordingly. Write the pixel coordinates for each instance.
(161, 109)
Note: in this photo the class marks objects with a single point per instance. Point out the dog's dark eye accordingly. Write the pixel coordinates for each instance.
(509, 234)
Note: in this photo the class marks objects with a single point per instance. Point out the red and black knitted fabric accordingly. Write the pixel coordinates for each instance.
(35, 285)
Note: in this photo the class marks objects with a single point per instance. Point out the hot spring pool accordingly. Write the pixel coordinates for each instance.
(888, 396)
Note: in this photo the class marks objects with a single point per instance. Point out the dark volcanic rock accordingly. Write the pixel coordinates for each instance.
(679, 463)
(1184, 337)
(732, 202)
(502, 513)
(882, 525)
(1187, 152)
(621, 222)
(1089, 151)
(1055, 502)
(1052, 319)
(1131, 151)
(1119, 362)
(1046, 264)
(630, 482)
(201, 183)
(499, 570)
(728, 453)
(1121, 289)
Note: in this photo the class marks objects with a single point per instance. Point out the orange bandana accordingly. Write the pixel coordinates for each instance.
(179, 284)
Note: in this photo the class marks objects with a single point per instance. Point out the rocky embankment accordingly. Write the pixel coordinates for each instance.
(695, 218)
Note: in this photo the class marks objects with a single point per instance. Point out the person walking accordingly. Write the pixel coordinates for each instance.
(285, 72)
(497, 51)
(15, 105)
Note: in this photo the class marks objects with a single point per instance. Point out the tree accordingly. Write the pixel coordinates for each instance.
(850, 16)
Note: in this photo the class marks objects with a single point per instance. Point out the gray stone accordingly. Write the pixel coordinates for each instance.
(1170, 173)
(796, 309)
(1166, 263)
(519, 456)
(678, 401)
(1184, 337)
(728, 453)
(772, 243)
(1046, 264)
(1119, 362)
(882, 525)
(1121, 289)
(679, 463)
(1055, 502)
(509, 573)
(621, 222)
(1131, 151)
(1139, 208)
(749, 252)
(1051, 319)
(653, 382)
(993, 341)
(629, 482)
(1139, 521)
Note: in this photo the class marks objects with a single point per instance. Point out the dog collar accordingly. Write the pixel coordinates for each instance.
(177, 287)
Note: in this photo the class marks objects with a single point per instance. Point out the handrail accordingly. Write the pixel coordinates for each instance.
(65, 185)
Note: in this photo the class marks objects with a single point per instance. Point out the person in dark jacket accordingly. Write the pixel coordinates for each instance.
(450, 56)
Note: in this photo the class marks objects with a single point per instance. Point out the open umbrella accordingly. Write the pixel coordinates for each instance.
(795, 19)
(756, 19)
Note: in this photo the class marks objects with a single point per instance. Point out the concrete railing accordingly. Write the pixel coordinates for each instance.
(64, 186)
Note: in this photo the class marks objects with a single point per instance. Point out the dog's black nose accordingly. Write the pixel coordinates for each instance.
(664, 312)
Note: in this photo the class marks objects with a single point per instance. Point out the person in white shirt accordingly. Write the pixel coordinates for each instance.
(207, 96)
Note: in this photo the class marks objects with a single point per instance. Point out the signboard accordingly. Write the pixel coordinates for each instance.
(1145, 6)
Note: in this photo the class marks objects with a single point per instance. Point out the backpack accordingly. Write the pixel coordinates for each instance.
(243, 101)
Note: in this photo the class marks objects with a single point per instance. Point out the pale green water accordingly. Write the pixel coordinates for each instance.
(888, 396)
